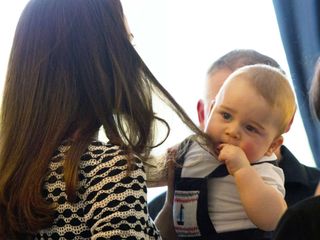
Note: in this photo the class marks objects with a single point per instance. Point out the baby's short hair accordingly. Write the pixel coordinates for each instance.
(273, 86)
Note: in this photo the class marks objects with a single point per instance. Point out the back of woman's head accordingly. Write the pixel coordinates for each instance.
(72, 69)
(78, 64)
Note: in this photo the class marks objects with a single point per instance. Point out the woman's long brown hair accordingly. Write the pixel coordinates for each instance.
(72, 69)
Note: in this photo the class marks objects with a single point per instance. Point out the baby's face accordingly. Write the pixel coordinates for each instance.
(243, 118)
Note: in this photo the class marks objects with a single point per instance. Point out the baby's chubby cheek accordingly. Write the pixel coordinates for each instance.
(250, 151)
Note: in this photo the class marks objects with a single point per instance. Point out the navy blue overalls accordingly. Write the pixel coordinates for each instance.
(191, 195)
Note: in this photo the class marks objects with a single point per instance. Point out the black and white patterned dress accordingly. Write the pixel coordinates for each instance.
(110, 204)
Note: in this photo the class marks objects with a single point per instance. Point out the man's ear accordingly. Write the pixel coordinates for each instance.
(274, 145)
(201, 114)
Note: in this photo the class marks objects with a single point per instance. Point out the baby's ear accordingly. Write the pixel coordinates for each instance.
(290, 123)
(277, 142)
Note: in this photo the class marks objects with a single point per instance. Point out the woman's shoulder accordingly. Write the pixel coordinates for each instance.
(98, 149)
(100, 155)
(105, 166)
(103, 151)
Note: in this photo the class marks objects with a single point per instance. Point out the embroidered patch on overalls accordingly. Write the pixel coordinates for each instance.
(185, 213)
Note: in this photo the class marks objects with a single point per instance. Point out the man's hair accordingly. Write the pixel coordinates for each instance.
(242, 57)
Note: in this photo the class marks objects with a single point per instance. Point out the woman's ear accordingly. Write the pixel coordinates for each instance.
(277, 142)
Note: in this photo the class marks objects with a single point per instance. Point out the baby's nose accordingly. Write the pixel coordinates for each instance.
(233, 131)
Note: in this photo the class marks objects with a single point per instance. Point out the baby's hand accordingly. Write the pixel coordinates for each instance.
(233, 156)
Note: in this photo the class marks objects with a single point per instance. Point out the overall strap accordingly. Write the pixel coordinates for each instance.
(222, 171)
(273, 162)
(247, 234)
(187, 189)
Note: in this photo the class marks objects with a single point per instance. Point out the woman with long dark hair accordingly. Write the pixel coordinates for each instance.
(72, 69)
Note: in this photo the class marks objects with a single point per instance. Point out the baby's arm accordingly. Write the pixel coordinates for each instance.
(263, 204)
(156, 171)
(157, 168)
(164, 220)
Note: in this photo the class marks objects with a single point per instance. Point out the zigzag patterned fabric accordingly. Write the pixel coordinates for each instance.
(110, 204)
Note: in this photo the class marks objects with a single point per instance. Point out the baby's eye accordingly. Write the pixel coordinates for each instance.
(226, 116)
(251, 129)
